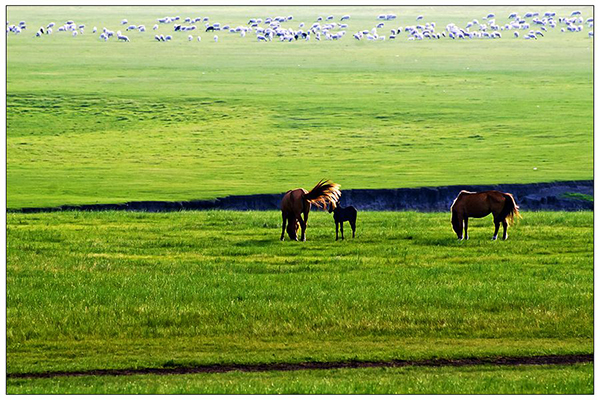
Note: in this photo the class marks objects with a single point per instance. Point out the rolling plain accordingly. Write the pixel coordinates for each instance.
(94, 122)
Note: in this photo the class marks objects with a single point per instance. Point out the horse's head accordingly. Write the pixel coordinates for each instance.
(331, 206)
(292, 230)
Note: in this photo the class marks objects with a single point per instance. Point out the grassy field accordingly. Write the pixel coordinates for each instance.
(499, 380)
(95, 122)
(132, 290)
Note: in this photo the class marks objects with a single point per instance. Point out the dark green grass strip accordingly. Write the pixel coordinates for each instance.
(221, 368)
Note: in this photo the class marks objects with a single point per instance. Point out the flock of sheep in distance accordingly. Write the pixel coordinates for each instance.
(530, 26)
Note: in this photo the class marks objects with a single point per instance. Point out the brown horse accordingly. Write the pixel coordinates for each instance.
(478, 205)
(297, 202)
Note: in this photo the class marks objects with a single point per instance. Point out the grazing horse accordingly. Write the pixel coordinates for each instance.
(341, 214)
(298, 201)
(480, 204)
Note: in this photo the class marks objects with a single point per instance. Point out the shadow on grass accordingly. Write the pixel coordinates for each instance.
(257, 242)
(437, 241)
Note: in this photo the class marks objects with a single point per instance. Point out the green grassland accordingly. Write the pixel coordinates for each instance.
(94, 122)
(448, 380)
(127, 290)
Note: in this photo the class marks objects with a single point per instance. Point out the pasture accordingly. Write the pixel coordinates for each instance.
(95, 122)
(131, 290)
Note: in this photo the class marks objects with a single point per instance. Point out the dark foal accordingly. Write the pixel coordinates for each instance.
(341, 214)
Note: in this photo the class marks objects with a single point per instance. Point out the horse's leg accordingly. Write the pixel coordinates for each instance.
(497, 227)
(505, 227)
(466, 227)
(353, 226)
(283, 226)
(303, 223)
(461, 222)
(337, 227)
(293, 221)
(303, 227)
(342, 229)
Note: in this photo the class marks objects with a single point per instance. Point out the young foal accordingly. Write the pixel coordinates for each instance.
(341, 214)
(478, 205)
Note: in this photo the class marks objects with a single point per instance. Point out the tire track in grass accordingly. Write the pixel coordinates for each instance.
(318, 365)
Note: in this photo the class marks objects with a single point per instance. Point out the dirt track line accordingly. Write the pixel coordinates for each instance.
(316, 365)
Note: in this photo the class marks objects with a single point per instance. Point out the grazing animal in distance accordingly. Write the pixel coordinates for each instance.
(341, 214)
(478, 205)
(296, 203)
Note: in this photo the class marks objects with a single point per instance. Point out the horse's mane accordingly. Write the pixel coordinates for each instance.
(323, 192)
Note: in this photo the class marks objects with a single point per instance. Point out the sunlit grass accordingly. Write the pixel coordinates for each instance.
(577, 379)
(193, 287)
(95, 122)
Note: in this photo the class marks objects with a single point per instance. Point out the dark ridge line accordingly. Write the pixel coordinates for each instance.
(317, 365)
(529, 196)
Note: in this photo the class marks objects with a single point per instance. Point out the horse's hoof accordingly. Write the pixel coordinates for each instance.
(494, 238)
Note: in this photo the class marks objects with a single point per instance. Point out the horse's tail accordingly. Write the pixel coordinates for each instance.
(511, 209)
(323, 192)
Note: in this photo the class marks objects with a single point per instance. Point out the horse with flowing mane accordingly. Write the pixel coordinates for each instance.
(297, 202)
(480, 204)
